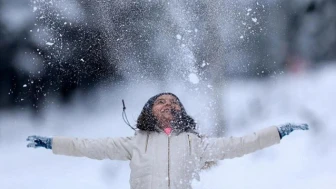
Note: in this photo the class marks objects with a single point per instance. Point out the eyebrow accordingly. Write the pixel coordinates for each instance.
(159, 99)
(172, 99)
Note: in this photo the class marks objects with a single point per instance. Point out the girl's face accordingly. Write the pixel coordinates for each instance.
(164, 106)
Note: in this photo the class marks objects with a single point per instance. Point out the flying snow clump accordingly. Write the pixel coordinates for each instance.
(49, 43)
(193, 78)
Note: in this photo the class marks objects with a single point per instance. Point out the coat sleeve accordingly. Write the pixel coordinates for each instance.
(105, 148)
(226, 148)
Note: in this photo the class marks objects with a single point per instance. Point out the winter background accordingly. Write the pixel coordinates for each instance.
(237, 66)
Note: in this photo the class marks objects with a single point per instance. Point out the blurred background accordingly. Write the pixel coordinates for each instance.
(238, 66)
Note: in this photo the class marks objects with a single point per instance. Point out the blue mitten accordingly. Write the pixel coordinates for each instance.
(38, 141)
(287, 128)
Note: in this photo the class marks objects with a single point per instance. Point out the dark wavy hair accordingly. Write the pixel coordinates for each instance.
(148, 122)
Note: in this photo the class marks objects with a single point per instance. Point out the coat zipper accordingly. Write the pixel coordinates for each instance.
(147, 142)
(189, 142)
(168, 161)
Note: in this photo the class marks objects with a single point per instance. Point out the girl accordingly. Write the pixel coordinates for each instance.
(166, 151)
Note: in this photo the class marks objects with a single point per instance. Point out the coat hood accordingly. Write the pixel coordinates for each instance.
(147, 121)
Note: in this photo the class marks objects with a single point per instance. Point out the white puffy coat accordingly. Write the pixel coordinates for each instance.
(159, 161)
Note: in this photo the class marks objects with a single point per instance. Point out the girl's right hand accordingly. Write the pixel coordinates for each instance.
(39, 141)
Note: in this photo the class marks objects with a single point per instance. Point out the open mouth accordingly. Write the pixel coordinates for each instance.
(170, 111)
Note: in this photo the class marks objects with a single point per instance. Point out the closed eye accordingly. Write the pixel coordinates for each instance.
(160, 101)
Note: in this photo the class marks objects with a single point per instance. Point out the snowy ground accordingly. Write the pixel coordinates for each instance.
(302, 160)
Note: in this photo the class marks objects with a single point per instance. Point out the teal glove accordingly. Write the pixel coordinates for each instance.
(287, 128)
(38, 141)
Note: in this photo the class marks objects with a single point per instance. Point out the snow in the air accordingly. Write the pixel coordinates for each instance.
(195, 50)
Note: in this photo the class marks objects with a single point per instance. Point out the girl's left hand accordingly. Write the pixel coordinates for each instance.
(287, 128)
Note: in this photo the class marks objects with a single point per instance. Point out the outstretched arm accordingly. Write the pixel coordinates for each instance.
(225, 148)
(105, 148)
